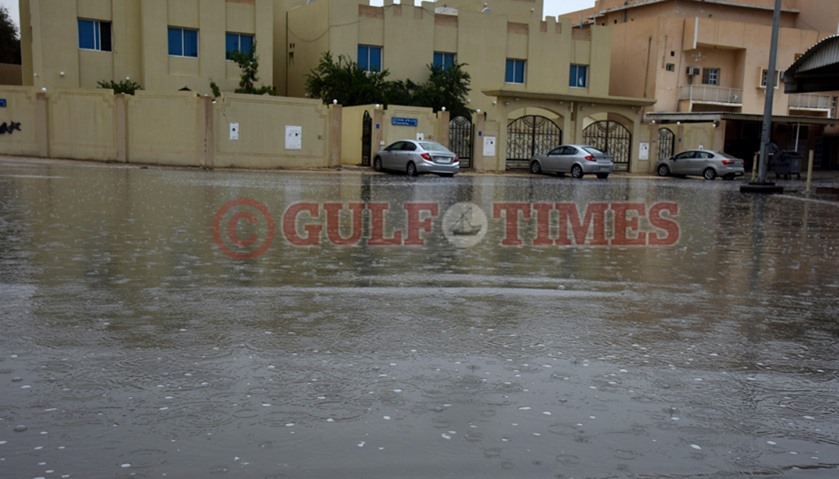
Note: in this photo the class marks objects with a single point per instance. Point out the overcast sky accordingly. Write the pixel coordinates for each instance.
(552, 7)
(11, 6)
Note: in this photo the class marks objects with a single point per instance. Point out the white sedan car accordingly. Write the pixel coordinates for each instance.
(415, 156)
(575, 159)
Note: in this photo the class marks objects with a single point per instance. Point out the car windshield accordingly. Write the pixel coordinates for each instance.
(593, 151)
(726, 155)
(432, 146)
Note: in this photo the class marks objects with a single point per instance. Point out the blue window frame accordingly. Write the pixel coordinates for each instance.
(370, 58)
(237, 42)
(579, 76)
(515, 71)
(183, 42)
(94, 35)
(444, 60)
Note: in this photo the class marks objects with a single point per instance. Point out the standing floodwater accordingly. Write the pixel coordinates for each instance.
(182, 323)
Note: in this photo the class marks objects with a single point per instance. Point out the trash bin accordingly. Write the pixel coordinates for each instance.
(786, 163)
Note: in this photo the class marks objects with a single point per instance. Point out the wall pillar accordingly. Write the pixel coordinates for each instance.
(478, 141)
(378, 131)
(443, 120)
(336, 117)
(42, 123)
(208, 156)
(121, 118)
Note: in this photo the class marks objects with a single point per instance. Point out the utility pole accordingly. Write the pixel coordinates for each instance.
(761, 185)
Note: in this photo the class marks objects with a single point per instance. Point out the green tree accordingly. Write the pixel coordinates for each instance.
(345, 81)
(9, 39)
(249, 64)
(446, 88)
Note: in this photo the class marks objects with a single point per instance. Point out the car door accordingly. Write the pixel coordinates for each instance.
(550, 162)
(680, 164)
(390, 155)
(565, 158)
(704, 159)
(407, 155)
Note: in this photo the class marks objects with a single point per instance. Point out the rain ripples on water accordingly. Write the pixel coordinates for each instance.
(133, 346)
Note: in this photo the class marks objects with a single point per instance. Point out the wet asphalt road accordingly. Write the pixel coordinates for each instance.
(182, 323)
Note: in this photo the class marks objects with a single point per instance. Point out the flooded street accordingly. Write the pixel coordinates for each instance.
(188, 324)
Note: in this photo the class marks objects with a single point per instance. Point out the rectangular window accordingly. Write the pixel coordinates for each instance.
(443, 60)
(578, 77)
(710, 76)
(95, 35)
(240, 42)
(515, 71)
(183, 42)
(370, 58)
(764, 72)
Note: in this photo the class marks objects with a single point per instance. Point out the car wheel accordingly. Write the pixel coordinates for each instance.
(709, 174)
(377, 164)
(577, 171)
(663, 170)
(602, 176)
(535, 167)
(412, 169)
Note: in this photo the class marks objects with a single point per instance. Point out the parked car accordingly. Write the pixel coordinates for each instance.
(575, 159)
(706, 163)
(417, 156)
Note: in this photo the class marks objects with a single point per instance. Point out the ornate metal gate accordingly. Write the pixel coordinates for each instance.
(530, 135)
(666, 143)
(460, 139)
(366, 138)
(611, 137)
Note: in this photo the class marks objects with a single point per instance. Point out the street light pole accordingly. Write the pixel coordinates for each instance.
(761, 185)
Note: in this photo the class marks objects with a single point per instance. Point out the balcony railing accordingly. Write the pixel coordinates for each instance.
(711, 94)
(803, 101)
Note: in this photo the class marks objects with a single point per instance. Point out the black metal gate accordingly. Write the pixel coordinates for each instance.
(611, 137)
(530, 135)
(460, 140)
(666, 143)
(366, 139)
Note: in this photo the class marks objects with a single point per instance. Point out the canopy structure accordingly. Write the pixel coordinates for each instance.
(816, 70)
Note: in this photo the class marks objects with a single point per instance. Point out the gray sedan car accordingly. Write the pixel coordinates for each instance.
(417, 156)
(575, 159)
(706, 163)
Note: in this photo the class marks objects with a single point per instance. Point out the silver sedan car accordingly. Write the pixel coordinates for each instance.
(417, 156)
(575, 159)
(706, 163)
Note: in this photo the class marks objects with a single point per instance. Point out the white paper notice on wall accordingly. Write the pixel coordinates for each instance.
(293, 137)
(489, 146)
(644, 151)
(420, 136)
(234, 131)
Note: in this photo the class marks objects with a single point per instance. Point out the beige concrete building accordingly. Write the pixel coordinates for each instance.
(705, 62)
(535, 83)
(160, 44)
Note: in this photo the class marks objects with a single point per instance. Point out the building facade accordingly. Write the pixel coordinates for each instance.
(535, 83)
(160, 44)
(707, 61)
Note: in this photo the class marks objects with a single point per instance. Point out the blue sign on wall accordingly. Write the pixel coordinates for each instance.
(2, 103)
(400, 121)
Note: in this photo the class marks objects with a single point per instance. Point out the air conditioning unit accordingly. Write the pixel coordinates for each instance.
(692, 71)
